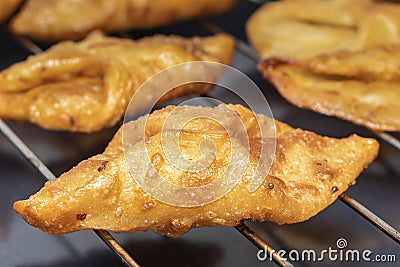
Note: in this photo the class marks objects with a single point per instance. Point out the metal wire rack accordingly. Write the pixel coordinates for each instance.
(243, 228)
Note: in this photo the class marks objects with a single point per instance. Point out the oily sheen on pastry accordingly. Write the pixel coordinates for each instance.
(308, 173)
(86, 86)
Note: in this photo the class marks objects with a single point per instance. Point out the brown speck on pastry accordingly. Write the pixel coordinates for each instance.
(103, 166)
(271, 185)
(334, 189)
(352, 183)
(81, 217)
(72, 121)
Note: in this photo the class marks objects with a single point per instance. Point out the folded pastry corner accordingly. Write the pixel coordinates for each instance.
(308, 173)
(86, 86)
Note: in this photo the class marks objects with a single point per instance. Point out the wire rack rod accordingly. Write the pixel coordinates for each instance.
(389, 139)
(355, 205)
(28, 44)
(254, 238)
(29, 155)
(108, 239)
(118, 250)
(371, 217)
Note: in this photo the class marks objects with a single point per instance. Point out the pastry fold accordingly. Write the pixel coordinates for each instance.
(362, 87)
(308, 173)
(73, 19)
(337, 57)
(87, 85)
(301, 29)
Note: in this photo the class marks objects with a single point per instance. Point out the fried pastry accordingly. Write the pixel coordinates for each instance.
(303, 29)
(71, 19)
(362, 87)
(7, 7)
(86, 86)
(308, 173)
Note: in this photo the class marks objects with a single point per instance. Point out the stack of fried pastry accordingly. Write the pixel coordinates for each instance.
(308, 173)
(74, 19)
(334, 57)
(87, 85)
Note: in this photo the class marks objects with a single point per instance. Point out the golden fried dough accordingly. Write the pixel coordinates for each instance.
(86, 86)
(362, 87)
(73, 19)
(308, 173)
(300, 29)
(335, 57)
(7, 7)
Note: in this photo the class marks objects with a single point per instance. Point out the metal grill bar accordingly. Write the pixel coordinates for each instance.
(116, 247)
(28, 44)
(254, 238)
(118, 250)
(355, 205)
(389, 139)
(108, 239)
(372, 217)
(29, 155)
